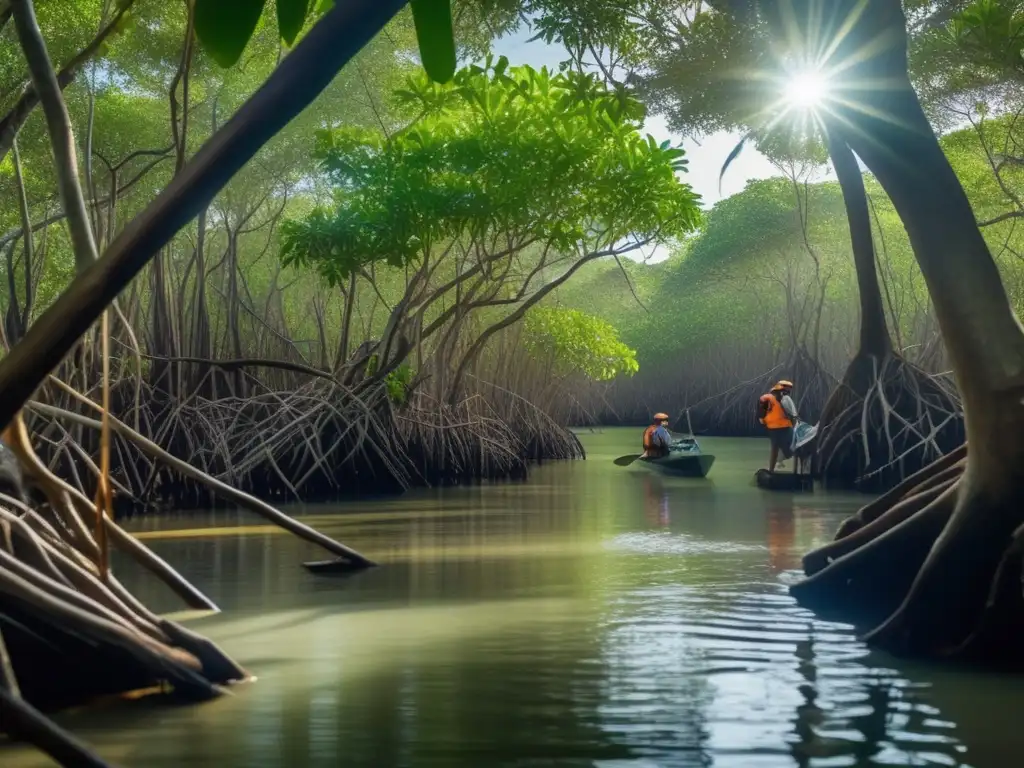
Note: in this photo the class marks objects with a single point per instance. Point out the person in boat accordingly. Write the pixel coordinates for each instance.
(778, 414)
(657, 438)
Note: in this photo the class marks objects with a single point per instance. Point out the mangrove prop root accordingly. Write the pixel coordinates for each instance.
(223, 489)
(819, 559)
(22, 720)
(886, 420)
(949, 466)
(72, 632)
(306, 442)
(216, 665)
(946, 601)
(167, 663)
(934, 567)
(872, 580)
(56, 492)
(57, 608)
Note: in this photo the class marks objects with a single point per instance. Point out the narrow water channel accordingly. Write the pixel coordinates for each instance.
(593, 616)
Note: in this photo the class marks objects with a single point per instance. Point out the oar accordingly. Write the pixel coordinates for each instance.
(625, 461)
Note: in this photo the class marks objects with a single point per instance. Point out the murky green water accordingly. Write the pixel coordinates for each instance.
(595, 616)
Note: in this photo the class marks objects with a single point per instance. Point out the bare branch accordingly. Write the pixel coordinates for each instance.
(58, 123)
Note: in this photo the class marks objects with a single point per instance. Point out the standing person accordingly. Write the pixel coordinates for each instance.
(787, 401)
(778, 414)
(657, 439)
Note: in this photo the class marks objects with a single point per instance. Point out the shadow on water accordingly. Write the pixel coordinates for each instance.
(597, 616)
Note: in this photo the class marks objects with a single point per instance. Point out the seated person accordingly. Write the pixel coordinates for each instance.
(657, 439)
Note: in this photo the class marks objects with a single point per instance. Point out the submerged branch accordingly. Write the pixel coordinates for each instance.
(224, 490)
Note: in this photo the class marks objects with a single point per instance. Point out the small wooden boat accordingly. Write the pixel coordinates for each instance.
(783, 481)
(685, 459)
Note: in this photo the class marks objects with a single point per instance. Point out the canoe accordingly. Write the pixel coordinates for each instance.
(685, 460)
(783, 481)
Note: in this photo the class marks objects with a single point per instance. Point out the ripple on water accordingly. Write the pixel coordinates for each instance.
(726, 674)
(670, 543)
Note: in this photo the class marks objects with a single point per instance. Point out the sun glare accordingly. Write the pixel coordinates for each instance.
(806, 90)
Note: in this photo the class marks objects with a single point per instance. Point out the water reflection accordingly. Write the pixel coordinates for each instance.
(656, 503)
(595, 617)
(782, 554)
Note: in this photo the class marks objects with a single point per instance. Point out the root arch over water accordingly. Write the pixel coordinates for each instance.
(933, 568)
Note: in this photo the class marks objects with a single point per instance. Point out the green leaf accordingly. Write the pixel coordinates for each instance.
(436, 38)
(728, 161)
(225, 26)
(291, 15)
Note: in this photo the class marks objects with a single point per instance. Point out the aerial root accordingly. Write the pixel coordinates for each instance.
(870, 580)
(914, 502)
(888, 419)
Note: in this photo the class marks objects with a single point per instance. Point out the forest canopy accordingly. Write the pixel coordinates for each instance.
(509, 156)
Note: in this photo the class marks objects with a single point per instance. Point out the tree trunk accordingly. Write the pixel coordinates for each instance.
(944, 560)
(874, 331)
(19, 113)
(62, 139)
(301, 76)
(199, 344)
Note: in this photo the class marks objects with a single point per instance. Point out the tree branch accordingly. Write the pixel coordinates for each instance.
(299, 79)
(1001, 217)
(58, 123)
(16, 117)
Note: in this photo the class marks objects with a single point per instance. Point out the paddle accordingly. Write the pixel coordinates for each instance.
(625, 461)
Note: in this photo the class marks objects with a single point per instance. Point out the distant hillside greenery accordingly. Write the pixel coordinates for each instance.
(728, 305)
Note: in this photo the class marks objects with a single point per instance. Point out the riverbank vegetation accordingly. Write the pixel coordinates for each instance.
(411, 279)
(291, 375)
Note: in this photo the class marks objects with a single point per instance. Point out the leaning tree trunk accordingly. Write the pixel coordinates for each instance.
(73, 631)
(943, 578)
(887, 418)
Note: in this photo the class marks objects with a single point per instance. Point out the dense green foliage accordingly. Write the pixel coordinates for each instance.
(391, 182)
(579, 343)
(514, 155)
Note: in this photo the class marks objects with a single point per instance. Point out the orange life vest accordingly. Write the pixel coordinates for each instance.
(775, 416)
(650, 447)
(649, 437)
